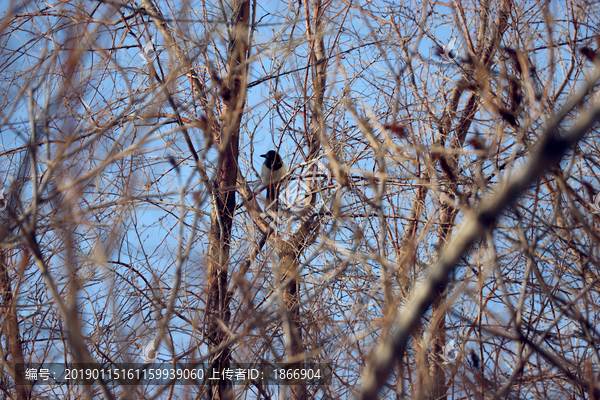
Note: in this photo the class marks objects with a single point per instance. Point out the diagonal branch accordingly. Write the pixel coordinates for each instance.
(551, 148)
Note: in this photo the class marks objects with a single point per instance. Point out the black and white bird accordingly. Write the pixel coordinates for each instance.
(273, 169)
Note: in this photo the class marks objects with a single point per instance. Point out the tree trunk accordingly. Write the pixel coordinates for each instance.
(308, 230)
(234, 96)
(11, 325)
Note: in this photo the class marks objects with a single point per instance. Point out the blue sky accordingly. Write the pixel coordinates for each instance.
(157, 222)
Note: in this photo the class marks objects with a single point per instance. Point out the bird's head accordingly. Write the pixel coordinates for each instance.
(272, 158)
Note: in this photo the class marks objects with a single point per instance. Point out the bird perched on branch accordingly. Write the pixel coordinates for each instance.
(273, 169)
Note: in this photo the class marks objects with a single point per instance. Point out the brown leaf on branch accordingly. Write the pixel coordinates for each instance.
(397, 129)
(589, 53)
(446, 168)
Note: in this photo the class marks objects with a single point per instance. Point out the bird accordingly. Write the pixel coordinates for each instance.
(273, 169)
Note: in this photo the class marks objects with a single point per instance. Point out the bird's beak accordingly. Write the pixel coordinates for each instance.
(263, 155)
